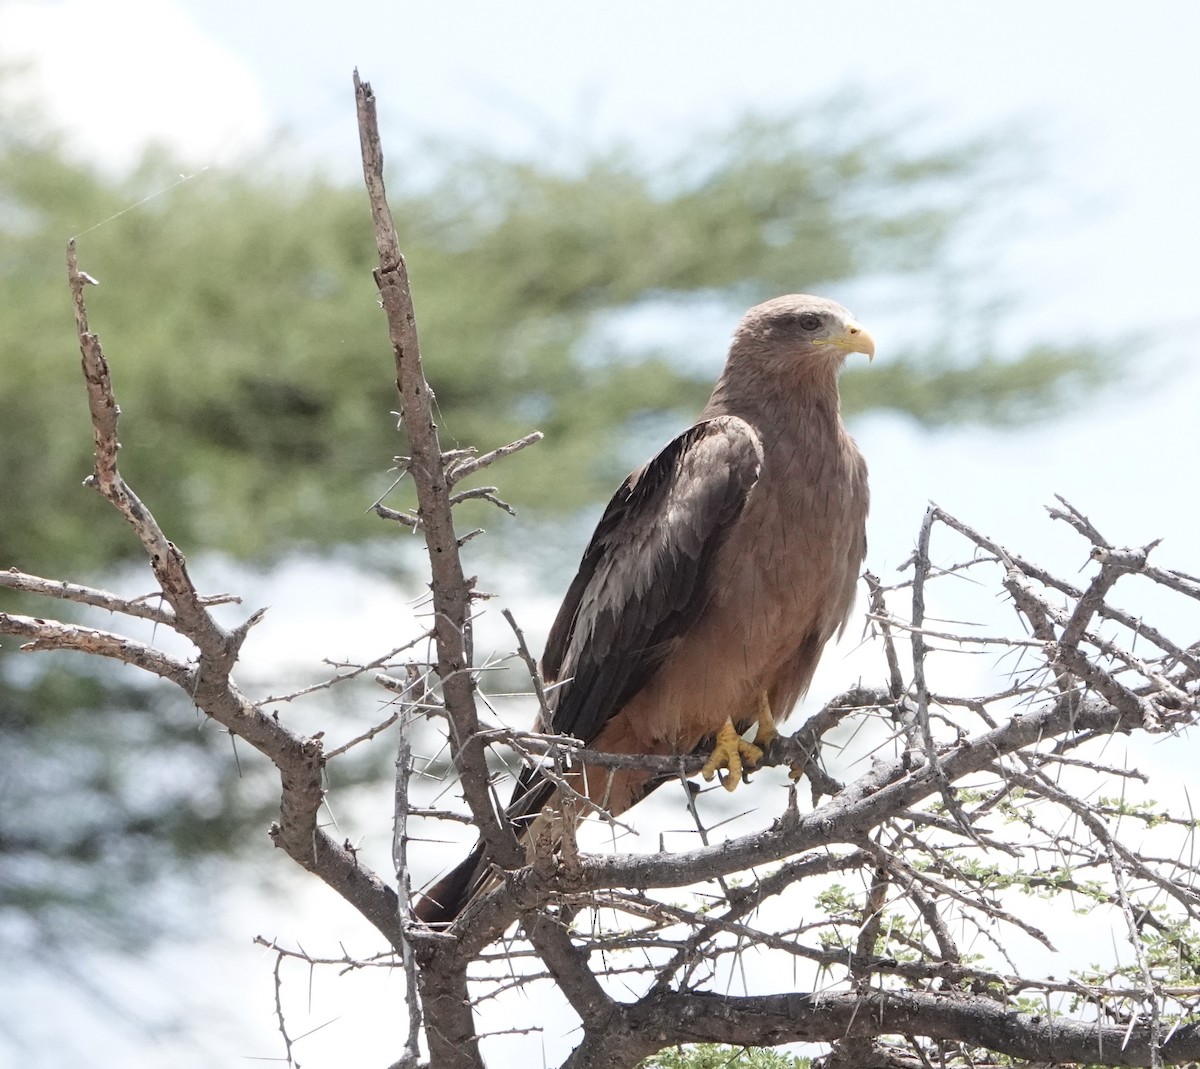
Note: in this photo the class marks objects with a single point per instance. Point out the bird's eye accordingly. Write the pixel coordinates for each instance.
(810, 321)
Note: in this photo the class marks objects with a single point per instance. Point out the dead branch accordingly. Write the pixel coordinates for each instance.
(935, 817)
(462, 466)
(451, 590)
(207, 680)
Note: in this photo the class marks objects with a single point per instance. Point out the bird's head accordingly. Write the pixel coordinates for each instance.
(801, 326)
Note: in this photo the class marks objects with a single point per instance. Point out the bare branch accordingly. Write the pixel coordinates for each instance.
(952, 805)
(401, 809)
(535, 675)
(483, 493)
(343, 677)
(52, 635)
(409, 520)
(460, 468)
(451, 590)
(820, 1017)
(86, 595)
(167, 563)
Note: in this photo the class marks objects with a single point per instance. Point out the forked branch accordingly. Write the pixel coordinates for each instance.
(902, 886)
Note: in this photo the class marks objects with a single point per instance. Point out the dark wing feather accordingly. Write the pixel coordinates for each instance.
(646, 575)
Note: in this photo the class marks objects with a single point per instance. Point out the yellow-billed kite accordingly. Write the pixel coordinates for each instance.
(715, 577)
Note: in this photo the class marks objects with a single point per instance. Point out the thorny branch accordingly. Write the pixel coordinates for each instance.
(888, 920)
(207, 676)
(972, 818)
(452, 591)
(400, 838)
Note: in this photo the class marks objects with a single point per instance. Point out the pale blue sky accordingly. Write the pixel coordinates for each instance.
(1109, 245)
(1110, 94)
(1110, 89)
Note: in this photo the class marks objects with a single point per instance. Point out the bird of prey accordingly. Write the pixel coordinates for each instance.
(714, 578)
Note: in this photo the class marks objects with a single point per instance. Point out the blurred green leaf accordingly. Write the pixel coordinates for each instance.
(251, 360)
(252, 363)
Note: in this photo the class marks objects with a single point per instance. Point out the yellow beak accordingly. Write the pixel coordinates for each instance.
(857, 339)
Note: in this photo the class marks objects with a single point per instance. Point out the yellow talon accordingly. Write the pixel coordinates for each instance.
(730, 751)
(766, 722)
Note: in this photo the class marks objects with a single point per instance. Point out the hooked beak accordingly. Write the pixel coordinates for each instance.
(857, 339)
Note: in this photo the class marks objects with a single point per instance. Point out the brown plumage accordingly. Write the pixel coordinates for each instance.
(715, 576)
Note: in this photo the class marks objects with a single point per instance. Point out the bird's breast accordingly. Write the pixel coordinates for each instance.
(788, 574)
(794, 556)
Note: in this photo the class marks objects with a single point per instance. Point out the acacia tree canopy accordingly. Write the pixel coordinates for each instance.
(259, 423)
(912, 868)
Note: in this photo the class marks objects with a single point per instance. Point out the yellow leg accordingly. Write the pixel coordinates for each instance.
(766, 722)
(730, 752)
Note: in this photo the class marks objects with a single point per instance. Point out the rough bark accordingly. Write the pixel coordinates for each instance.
(930, 839)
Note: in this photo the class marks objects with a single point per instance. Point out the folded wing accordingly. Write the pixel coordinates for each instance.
(647, 574)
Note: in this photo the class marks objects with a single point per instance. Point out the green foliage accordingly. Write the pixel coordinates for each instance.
(1171, 954)
(936, 389)
(719, 1056)
(251, 360)
(135, 779)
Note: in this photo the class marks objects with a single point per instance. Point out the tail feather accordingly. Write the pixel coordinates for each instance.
(447, 898)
